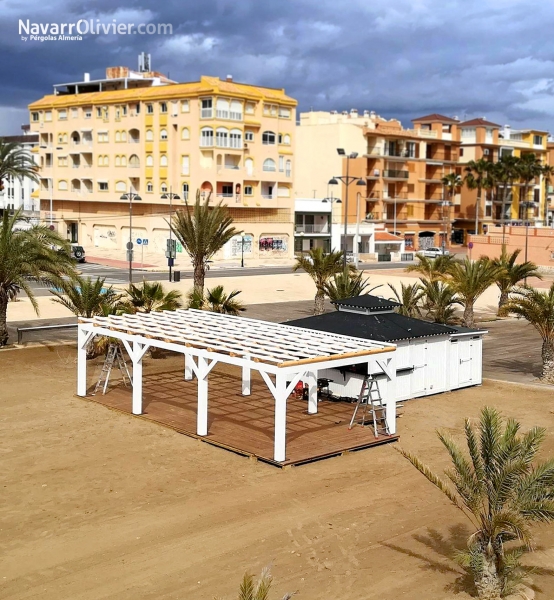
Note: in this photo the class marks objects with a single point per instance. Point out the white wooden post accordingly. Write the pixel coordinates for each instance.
(246, 379)
(188, 368)
(280, 442)
(81, 362)
(202, 412)
(137, 378)
(390, 400)
(312, 392)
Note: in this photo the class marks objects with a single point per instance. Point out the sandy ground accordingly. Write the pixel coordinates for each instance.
(257, 289)
(99, 505)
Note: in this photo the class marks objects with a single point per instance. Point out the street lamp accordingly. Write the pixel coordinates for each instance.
(526, 205)
(242, 236)
(346, 180)
(130, 196)
(171, 197)
(52, 188)
(332, 201)
(445, 221)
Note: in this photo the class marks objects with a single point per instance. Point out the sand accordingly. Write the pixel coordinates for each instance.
(99, 505)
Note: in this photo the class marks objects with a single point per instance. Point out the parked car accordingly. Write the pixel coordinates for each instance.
(76, 252)
(433, 252)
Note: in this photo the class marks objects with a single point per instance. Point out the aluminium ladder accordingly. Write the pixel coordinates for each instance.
(113, 356)
(370, 400)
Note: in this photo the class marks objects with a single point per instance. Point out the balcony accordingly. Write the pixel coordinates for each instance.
(311, 228)
(394, 174)
(395, 197)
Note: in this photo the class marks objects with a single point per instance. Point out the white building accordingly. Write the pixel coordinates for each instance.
(19, 194)
(430, 357)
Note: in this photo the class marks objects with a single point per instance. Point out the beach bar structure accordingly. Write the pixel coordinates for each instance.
(282, 354)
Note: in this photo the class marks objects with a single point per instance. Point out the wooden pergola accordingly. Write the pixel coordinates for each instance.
(282, 354)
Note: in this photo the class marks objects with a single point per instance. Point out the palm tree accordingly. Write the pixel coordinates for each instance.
(529, 168)
(347, 285)
(503, 174)
(216, 300)
(431, 268)
(501, 490)
(548, 173)
(321, 267)
(477, 178)
(537, 308)
(15, 162)
(451, 183)
(510, 275)
(468, 280)
(251, 590)
(439, 300)
(151, 297)
(85, 297)
(203, 230)
(25, 256)
(409, 298)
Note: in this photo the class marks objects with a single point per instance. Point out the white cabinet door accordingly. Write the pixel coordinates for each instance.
(419, 359)
(465, 357)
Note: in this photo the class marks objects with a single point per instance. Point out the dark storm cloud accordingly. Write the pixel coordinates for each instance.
(402, 58)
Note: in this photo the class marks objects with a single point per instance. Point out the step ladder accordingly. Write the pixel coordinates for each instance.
(370, 401)
(113, 356)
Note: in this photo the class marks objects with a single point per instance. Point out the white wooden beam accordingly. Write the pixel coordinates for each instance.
(312, 392)
(202, 411)
(246, 378)
(82, 360)
(136, 357)
(390, 398)
(189, 375)
(280, 441)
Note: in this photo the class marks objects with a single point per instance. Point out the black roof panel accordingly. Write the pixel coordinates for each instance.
(368, 302)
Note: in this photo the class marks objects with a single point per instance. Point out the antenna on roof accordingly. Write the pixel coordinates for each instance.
(144, 62)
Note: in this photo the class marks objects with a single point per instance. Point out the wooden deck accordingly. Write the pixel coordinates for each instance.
(245, 424)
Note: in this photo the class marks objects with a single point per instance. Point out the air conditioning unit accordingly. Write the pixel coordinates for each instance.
(245, 145)
(375, 172)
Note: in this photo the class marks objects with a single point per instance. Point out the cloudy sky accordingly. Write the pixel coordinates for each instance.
(401, 58)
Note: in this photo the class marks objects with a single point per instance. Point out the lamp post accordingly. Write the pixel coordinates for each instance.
(130, 196)
(51, 179)
(446, 204)
(171, 197)
(332, 201)
(526, 205)
(346, 180)
(242, 236)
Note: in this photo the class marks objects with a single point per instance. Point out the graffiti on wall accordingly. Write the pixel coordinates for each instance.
(236, 245)
(276, 243)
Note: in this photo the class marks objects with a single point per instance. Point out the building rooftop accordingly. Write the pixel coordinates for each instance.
(30, 138)
(385, 236)
(435, 117)
(480, 122)
(368, 302)
(386, 327)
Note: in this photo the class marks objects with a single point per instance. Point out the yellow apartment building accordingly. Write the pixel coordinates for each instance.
(140, 132)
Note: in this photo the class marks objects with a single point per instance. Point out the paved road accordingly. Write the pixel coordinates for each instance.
(117, 276)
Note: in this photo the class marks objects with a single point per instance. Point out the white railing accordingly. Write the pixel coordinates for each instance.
(235, 116)
(206, 113)
(206, 142)
(221, 114)
(311, 228)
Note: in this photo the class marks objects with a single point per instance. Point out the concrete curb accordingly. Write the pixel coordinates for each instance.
(538, 386)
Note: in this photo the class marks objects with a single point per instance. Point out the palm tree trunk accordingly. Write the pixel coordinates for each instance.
(319, 304)
(468, 318)
(199, 276)
(488, 584)
(3, 319)
(477, 207)
(503, 300)
(548, 361)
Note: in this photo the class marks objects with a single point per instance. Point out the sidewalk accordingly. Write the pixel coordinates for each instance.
(113, 262)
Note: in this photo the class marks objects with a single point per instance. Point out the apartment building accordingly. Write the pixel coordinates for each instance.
(482, 139)
(140, 132)
(21, 194)
(403, 169)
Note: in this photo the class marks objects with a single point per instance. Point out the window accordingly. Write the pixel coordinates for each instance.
(123, 161)
(117, 161)
(150, 109)
(117, 113)
(185, 165)
(283, 191)
(163, 107)
(281, 164)
(268, 137)
(124, 110)
(248, 190)
(185, 190)
(280, 138)
(102, 186)
(98, 112)
(62, 185)
(163, 160)
(60, 138)
(163, 134)
(461, 151)
(269, 164)
(48, 115)
(123, 136)
(207, 137)
(62, 161)
(185, 134)
(284, 113)
(174, 108)
(207, 110)
(235, 138)
(288, 168)
(250, 108)
(34, 116)
(134, 161)
(286, 139)
(221, 138)
(185, 106)
(236, 110)
(149, 135)
(410, 210)
(537, 140)
(270, 110)
(149, 160)
(149, 187)
(248, 136)
(163, 188)
(249, 165)
(74, 113)
(222, 108)
(103, 136)
(117, 136)
(120, 186)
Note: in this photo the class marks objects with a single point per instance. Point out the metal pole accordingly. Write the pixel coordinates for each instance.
(170, 231)
(526, 236)
(358, 195)
(242, 252)
(51, 195)
(130, 249)
(346, 212)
